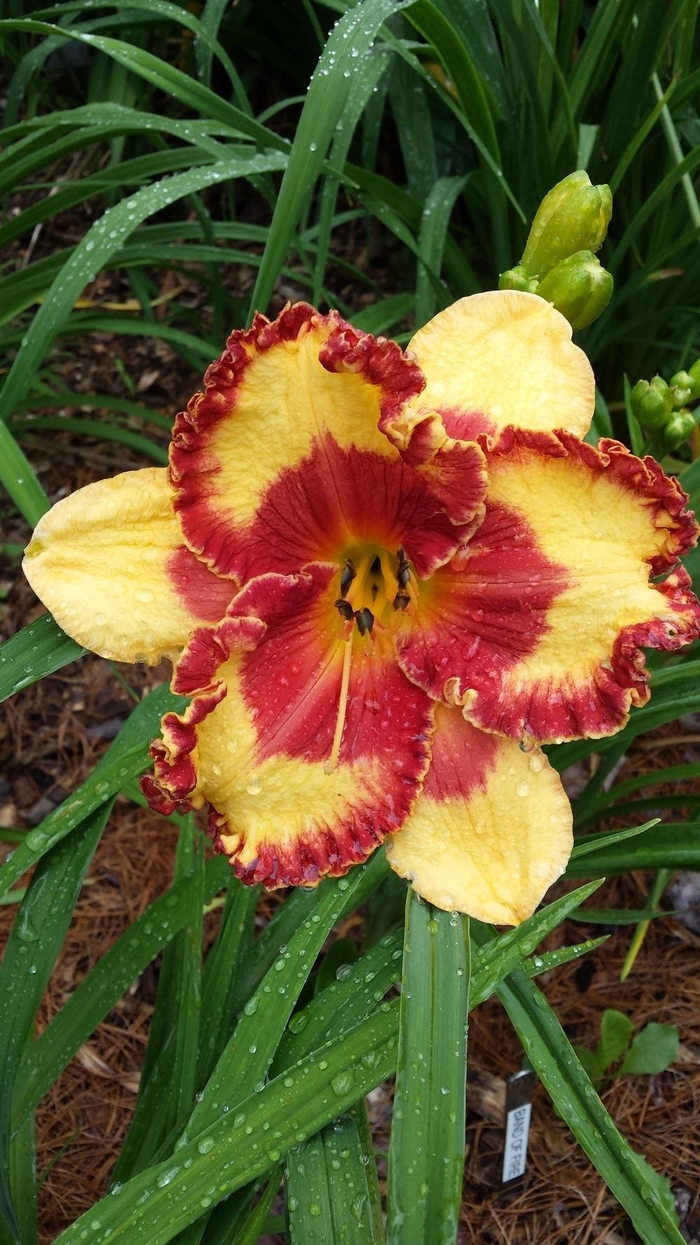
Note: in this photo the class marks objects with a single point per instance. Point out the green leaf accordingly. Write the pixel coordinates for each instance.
(426, 1153)
(102, 240)
(570, 1089)
(662, 1187)
(38, 649)
(33, 945)
(667, 846)
(246, 1059)
(431, 242)
(653, 1050)
(105, 984)
(167, 1086)
(327, 96)
(244, 1142)
(329, 1190)
(336, 963)
(615, 1034)
(220, 972)
(127, 757)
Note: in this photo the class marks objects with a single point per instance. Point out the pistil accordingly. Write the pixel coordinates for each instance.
(342, 707)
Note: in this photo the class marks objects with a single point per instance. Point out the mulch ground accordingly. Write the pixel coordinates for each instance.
(50, 737)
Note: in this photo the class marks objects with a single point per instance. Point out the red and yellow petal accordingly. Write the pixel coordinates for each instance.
(303, 395)
(109, 564)
(337, 500)
(257, 742)
(536, 629)
(491, 830)
(502, 358)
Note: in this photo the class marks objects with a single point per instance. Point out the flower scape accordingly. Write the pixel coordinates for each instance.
(384, 578)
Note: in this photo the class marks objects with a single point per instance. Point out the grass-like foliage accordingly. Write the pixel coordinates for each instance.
(217, 141)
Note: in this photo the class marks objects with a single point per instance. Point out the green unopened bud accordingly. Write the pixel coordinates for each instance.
(651, 402)
(678, 429)
(694, 373)
(686, 386)
(573, 217)
(579, 288)
(517, 279)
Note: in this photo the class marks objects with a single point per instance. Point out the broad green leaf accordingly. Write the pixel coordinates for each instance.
(102, 240)
(328, 92)
(365, 77)
(127, 757)
(279, 931)
(426, 1153)
(354, 995)
(653, 1050)
(105, 984)
(474, 95)
(666, 846)
(17, 476)
(164, 77)
(246, 1059)
(329, 1194)
(32, 947)
(615, 1034)
(38, 649)
(244, 1142)
(431, 242)
(91, 428)
(220, 971)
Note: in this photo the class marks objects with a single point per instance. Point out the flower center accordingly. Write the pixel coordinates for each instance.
(375, 588)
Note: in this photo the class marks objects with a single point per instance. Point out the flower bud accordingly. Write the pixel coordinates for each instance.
(678, 429)
(686, 385)
(517, 279)
(651, 402)
(573, 217)
(579, 288)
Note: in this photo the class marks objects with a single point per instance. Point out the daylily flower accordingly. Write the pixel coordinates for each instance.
(384, 579)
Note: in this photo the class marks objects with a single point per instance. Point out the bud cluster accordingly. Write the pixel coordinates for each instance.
(558, 262)
(661, 409)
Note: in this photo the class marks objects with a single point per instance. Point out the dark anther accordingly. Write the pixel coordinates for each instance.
(365, 620)
(347, 575)
(401, 600)
(345, 609)
(376, 566)
(375, 590)
(403, 570)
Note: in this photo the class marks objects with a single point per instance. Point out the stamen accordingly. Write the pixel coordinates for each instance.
(342, 707)
(401, 601)
(403, 570)
(365, 620)
(346, 577)
(345, 609)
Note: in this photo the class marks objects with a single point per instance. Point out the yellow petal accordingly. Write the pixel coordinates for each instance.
(501, 358)
(109, 564)
(609, 522)
(491, 830)
(281, 395)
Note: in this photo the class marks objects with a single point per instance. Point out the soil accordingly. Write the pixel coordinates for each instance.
(53, 733)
